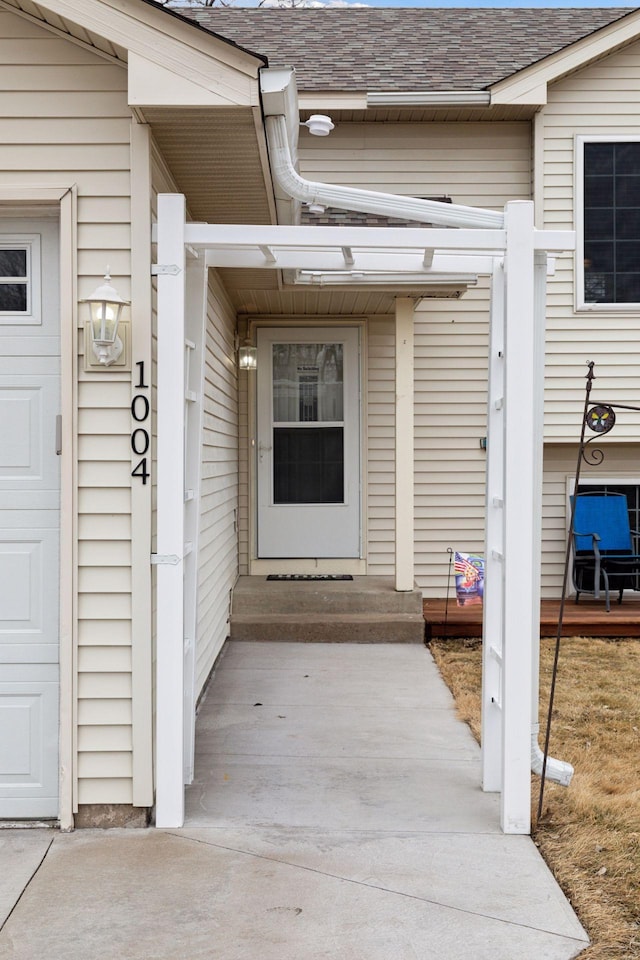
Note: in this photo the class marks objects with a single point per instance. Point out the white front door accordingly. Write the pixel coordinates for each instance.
(308, 442)
(29, 518)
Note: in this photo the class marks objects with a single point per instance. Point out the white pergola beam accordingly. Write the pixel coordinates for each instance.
(409, 260)
(229, 236)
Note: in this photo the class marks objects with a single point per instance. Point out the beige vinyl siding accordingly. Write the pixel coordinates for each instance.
(559, 469)
(379, 521)
(104, 467)
(451, 345)
(218, 539)
(601, 100)
(65, 121)
(218, 536)
(479, 164)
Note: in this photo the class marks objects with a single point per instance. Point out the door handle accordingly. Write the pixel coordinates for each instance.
(262, 449)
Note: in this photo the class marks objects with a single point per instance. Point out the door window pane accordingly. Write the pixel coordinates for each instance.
(308, 465)
(308, 382)
(14, 293)
(13, 263)
(13, 297)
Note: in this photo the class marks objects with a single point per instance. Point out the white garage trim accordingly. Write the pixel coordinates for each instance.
(22, 201)
(68, 495)
(141, 627)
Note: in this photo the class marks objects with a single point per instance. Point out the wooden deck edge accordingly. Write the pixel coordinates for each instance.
(580, 620)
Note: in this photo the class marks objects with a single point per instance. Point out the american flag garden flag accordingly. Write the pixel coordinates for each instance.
(468, 570)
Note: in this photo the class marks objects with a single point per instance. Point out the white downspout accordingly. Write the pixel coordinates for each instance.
(366, 201)
(406, 208)
(557, 770)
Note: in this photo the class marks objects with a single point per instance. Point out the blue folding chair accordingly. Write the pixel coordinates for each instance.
(603, 548)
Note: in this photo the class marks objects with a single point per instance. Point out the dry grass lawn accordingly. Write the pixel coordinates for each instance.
(589, 833)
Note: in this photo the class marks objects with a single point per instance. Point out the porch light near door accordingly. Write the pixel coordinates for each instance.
(105, 305)
(247, 357)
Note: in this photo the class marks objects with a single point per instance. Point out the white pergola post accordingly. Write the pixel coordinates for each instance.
(195, 341)
(170, 514)
(521, 531)
(539, 306)
(493, 607)
(404, 444)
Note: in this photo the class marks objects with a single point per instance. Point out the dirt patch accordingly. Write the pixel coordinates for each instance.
(589, 833)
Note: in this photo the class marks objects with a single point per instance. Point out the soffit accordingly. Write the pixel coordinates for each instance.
(452, 114)
(215, 158)
(308, 305)
(260, 292)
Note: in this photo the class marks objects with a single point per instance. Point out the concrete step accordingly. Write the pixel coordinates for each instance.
(362, 610)
(329, 627)
(370, 595)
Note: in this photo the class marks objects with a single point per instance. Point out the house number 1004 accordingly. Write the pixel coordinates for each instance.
(139, 435)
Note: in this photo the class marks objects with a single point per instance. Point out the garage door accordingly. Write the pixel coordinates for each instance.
(29, 518)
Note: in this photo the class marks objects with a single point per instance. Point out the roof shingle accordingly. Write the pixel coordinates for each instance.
(374, 49)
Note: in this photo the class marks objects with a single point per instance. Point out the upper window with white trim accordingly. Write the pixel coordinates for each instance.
(609, 180)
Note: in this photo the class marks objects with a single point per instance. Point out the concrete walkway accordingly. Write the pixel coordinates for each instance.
(336, 815)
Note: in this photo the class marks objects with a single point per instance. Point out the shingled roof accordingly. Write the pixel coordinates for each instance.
(368, 49)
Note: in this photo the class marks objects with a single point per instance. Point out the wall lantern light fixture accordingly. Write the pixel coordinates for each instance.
(105, 305)
(247, 357)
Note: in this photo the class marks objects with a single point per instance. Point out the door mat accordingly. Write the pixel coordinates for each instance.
(309, 576)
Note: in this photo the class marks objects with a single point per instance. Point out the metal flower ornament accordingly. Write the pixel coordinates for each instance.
(600, 419)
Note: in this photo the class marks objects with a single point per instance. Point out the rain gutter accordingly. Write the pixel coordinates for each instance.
(429, 98)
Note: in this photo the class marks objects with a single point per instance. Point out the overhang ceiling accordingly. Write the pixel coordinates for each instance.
(214, 157)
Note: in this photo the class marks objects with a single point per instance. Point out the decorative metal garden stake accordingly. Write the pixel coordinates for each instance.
(446, 603)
